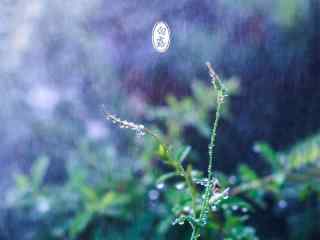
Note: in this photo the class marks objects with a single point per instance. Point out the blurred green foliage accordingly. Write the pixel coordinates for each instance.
(101, 199)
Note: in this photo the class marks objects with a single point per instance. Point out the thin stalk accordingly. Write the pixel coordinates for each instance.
(192, 190)
(213, 140)
(220, 99)
(211, 146)
(195, 232)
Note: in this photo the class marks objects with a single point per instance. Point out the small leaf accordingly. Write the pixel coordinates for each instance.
(164, 225)
(165, 177)
(22, 182)
(111, 200)
(89, 193)
(39, 170)
(107, 199)
(163, 153)
(79, 223)
(268, 153)
(246, 173)
(183, 153)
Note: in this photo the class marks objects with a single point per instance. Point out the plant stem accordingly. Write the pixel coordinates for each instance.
(195, 232)
(218, 86)
(213, 139)
(179, 169)
(193, 191)
(157, 138)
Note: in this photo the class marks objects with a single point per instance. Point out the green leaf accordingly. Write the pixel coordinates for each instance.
(107, 199)
(79, 223)
(183, 153)
(165, 177)
(303, 153)
(246, 173)
(111, 200)
(164, 225)
(22, 182)
(89, 193)
(268, 153)
(39, 170)
(163, 153)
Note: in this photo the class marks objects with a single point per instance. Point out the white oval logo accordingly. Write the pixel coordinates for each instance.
(161, 37)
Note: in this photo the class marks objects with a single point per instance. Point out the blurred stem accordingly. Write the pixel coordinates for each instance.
(192, 189)
(195, 232)
(252, 185)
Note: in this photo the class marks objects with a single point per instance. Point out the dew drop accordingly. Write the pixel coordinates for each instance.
(160, 185)
(187, 209)
(153, 195)
(256, 148)
(214, 208)
(244, 210)
(43, 205)
(232, 179)
(282, 204)
(179, 186)
(235, 207)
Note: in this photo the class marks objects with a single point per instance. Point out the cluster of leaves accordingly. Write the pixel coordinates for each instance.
(93, 199)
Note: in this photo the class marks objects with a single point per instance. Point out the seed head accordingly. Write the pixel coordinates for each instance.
(138, 128)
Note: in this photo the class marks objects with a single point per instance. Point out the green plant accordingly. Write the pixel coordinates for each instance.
(197, 216)
(109, 195)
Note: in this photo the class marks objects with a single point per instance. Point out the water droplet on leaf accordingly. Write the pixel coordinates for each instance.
(235, 207)
(160, 185)
(153, 195)
(179, 186)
